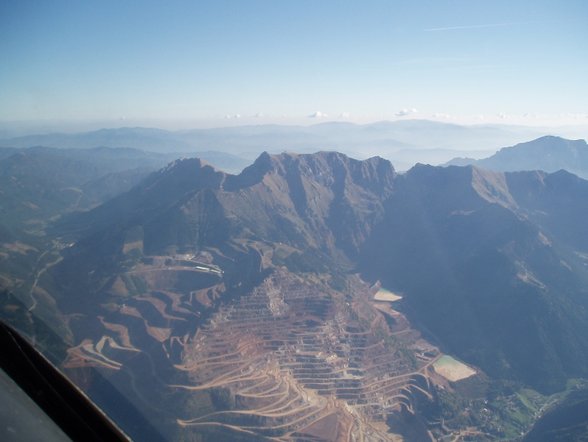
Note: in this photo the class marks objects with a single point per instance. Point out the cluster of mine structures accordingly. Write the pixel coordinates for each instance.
(297, 360)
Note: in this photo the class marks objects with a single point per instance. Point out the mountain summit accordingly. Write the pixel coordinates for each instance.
(323, 202)
(480, 247)
(230, 286)
(547, 153)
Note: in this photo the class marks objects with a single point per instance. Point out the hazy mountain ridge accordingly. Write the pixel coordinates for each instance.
(490, 265)
(548, 153)
(40, 183)
(483, 263)
(486, 246)
(294, 198)
(405, 142)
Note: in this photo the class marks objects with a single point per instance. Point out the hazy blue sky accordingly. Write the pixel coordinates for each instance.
(365, 60)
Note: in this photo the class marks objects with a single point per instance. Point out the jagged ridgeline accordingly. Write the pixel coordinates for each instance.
(242, 306)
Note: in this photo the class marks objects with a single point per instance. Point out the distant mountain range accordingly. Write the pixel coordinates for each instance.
(547, 153)
(39, 183)
(244, 303)
(403, 142)
(493, 264)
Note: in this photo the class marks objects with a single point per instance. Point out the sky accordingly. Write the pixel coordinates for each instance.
(198, 63)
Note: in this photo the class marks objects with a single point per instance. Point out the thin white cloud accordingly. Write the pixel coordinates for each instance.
(259, 115)
(465, 27)
(405, 112)
(441, 115)
(318, 114)
(344, 115)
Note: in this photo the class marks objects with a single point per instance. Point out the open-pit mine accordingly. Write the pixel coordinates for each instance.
(291, 359)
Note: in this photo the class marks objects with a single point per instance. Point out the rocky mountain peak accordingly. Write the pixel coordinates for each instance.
(492, 186)
(549, 153)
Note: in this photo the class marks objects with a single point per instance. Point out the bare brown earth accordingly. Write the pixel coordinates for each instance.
(386, 295)
(297, 357)
(293, 359)
(18, 247)
(452, 369)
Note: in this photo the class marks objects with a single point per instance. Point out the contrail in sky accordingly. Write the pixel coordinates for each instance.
(457, 28)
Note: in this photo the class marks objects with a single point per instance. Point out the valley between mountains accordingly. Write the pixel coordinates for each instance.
(254, 306)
